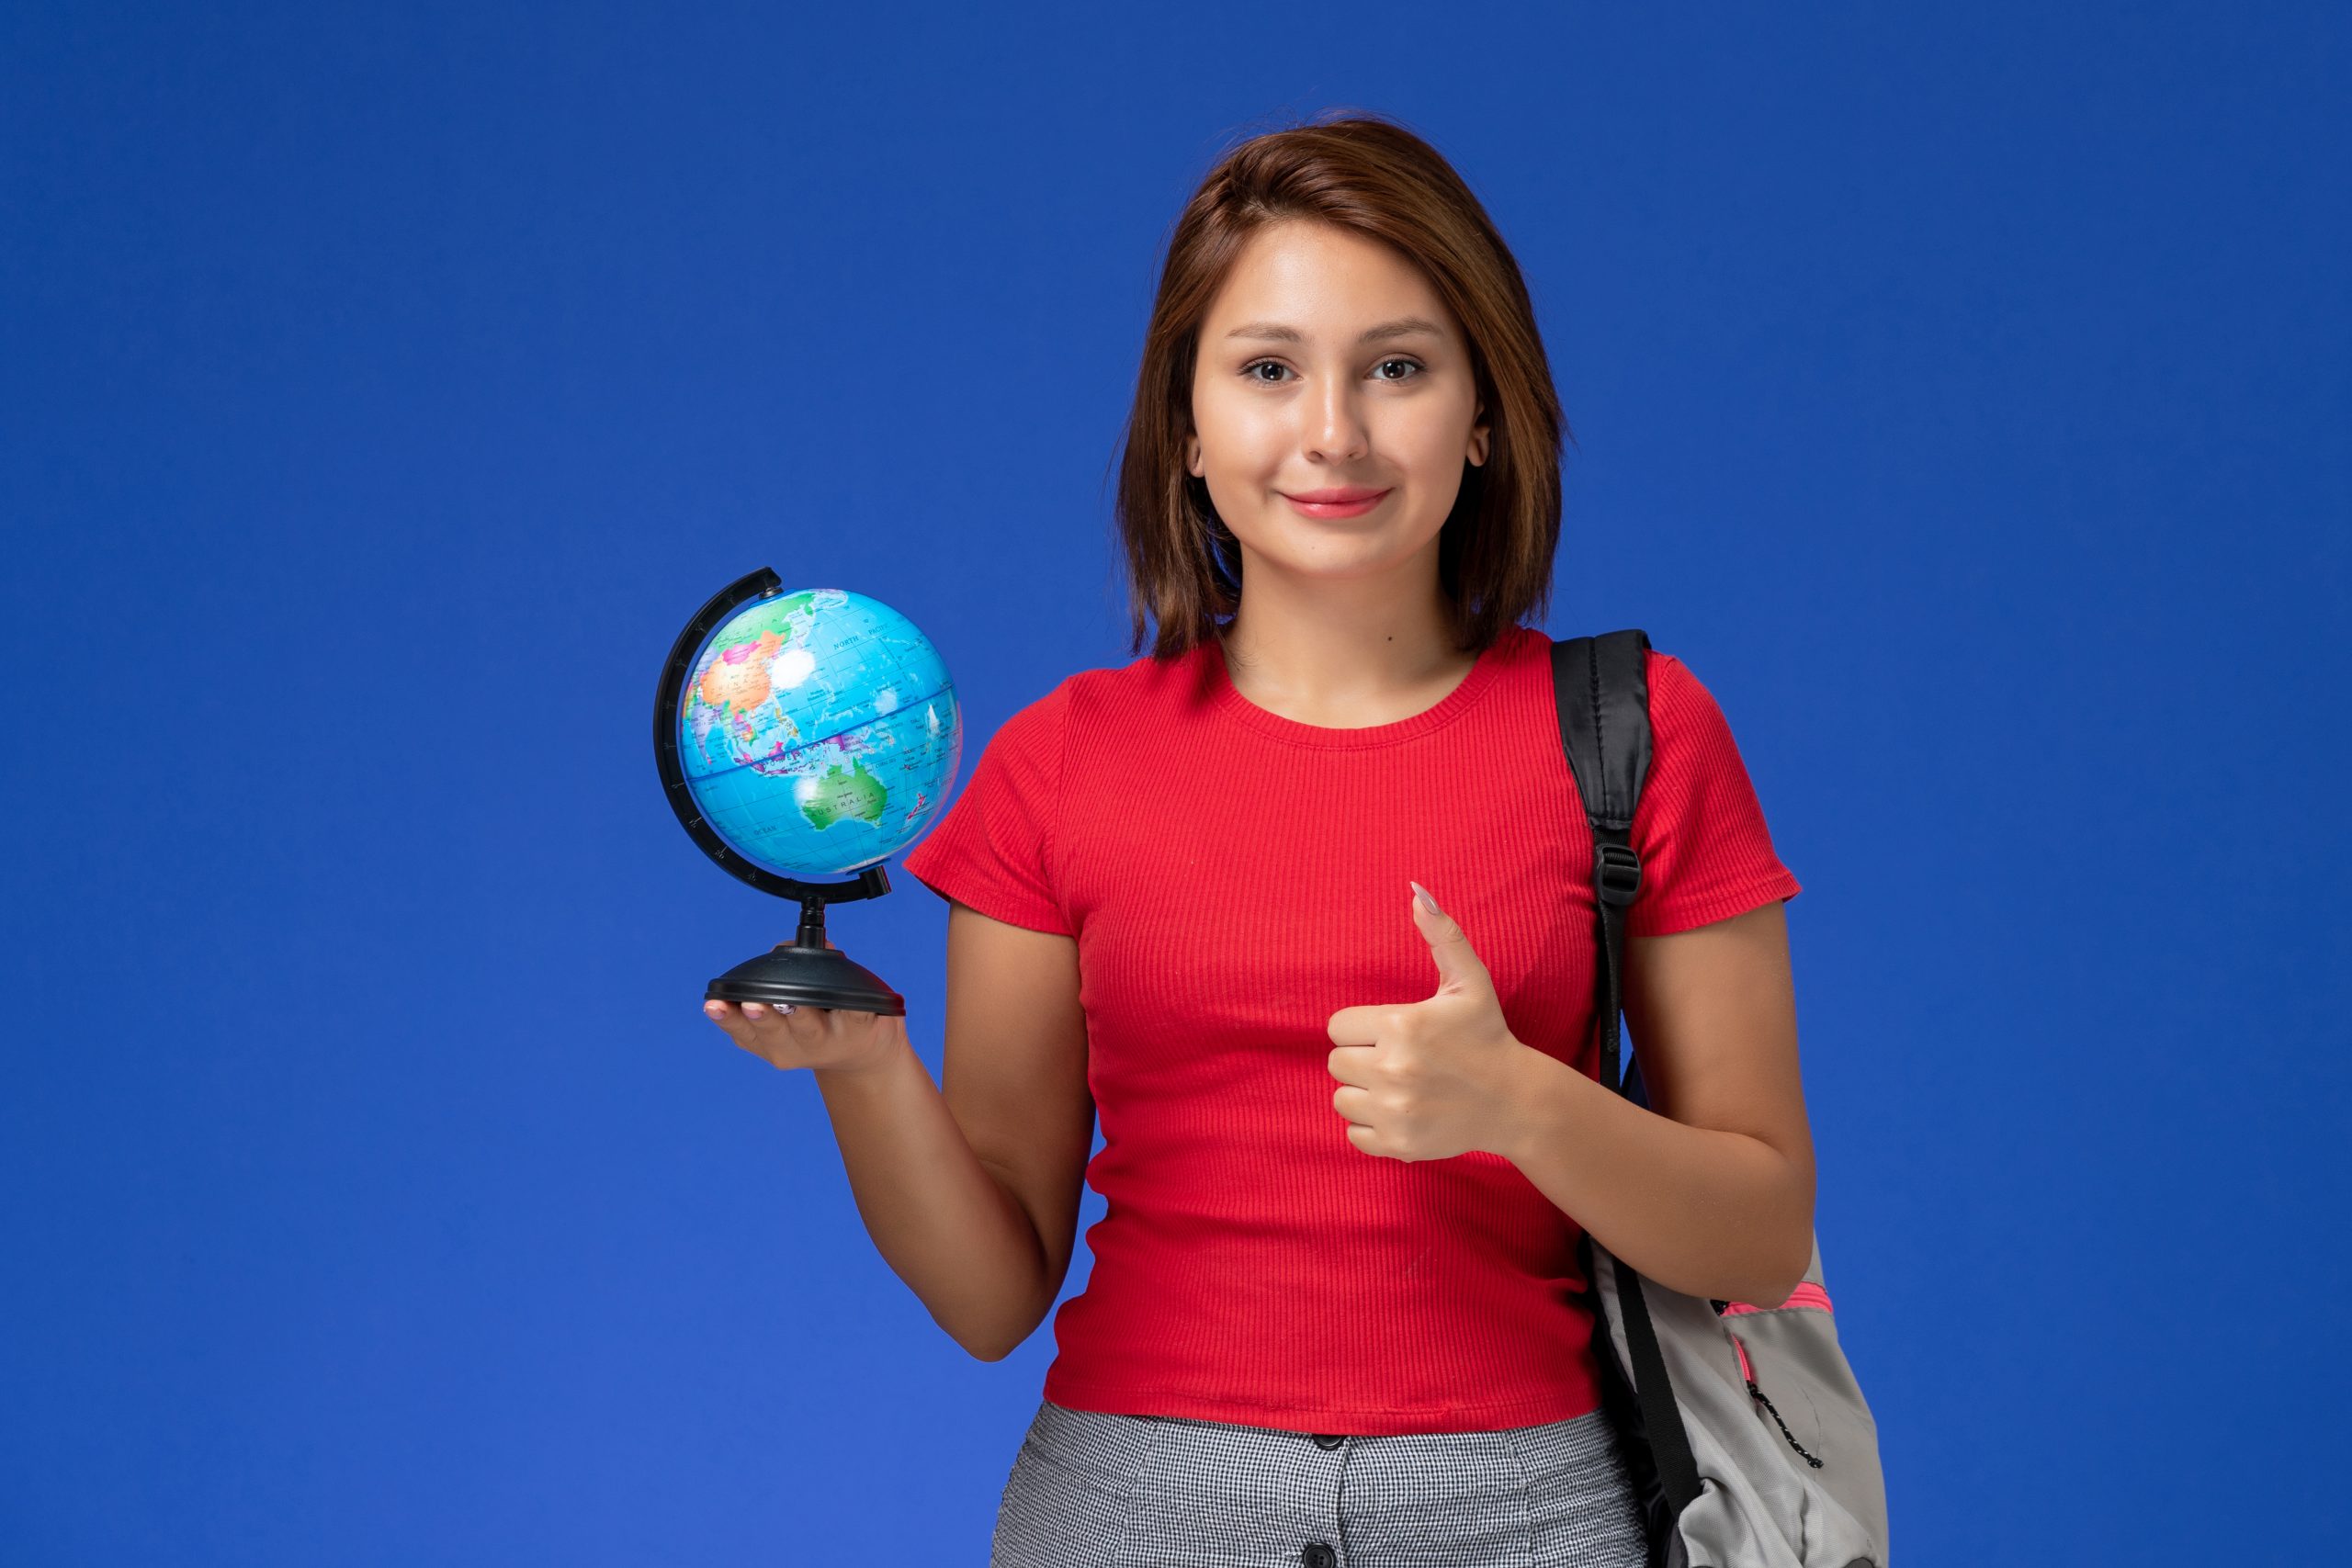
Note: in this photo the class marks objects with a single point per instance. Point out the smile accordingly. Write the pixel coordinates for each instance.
(1358, 503)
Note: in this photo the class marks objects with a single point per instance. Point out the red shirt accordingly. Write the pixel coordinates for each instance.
(1232, 878)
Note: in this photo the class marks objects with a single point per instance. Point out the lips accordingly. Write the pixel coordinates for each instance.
(1343, 496)
(1353, 500)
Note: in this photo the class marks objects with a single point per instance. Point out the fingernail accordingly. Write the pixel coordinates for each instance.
(1428, 903)
(752, 1010)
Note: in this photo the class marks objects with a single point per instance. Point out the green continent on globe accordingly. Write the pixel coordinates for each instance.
(842, 794)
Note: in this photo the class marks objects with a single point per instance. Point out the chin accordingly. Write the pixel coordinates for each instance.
(1339, 559)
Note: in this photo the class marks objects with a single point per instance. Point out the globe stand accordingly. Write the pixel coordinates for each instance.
(805, 972)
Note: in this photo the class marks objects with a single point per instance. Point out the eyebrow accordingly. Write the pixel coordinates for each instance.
(1404, 326)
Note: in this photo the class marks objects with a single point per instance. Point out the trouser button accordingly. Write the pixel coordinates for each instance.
(1329, 1440)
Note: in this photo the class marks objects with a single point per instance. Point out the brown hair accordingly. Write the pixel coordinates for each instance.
(1365, 173)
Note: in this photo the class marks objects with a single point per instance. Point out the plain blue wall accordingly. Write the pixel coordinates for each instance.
(1959, 392)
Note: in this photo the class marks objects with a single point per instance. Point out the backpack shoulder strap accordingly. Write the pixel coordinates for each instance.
(1601, 686)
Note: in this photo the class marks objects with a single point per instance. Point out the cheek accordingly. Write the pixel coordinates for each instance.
(1240, 440)
(1429, 442)
(1242, 452)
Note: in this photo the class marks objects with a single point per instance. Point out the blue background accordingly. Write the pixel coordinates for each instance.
(1960, 392)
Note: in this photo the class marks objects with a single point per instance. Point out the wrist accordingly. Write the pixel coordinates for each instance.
(876, 1067)
(1530, 1091)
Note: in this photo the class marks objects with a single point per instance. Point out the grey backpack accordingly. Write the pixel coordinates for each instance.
(1748, 1440)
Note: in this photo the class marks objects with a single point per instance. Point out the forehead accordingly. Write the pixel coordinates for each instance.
(1322, 280)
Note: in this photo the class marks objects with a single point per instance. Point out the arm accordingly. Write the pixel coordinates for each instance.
(1711, 1192)
(971, 1192)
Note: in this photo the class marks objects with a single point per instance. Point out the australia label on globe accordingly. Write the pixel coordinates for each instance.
(818, 732)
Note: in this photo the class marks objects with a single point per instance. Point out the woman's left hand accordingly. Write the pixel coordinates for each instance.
(1428, 1080)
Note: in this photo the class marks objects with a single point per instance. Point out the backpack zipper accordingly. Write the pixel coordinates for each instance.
(1747, 1374)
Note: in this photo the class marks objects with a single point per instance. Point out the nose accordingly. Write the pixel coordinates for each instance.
(1335, 428)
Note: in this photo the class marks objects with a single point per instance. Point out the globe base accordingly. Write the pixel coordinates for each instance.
(790, 974)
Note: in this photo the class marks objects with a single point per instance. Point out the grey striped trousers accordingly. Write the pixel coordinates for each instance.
(1164, 1492)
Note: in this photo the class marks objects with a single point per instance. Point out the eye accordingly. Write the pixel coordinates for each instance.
(1250, 369)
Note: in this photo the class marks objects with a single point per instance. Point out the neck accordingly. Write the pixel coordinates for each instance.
(1348, 652)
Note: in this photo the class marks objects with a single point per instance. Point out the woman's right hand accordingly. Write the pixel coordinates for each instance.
(829, 1038)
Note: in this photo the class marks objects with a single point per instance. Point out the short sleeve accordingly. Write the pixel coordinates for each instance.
(1706, 853)
(992, 849)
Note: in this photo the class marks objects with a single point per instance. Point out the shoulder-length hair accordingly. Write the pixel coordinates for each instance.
(1365, 173)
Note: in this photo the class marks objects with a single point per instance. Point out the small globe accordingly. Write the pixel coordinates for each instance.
(818, 732)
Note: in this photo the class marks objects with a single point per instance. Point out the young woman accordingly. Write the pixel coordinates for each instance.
(1300, 903)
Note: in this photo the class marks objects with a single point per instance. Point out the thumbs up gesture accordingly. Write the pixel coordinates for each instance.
(1428, 1079)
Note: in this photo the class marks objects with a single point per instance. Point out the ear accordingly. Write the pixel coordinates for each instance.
(1192, 456)
(1479, 434)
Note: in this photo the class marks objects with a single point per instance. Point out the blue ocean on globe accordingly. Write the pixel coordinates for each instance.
(818, 732)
